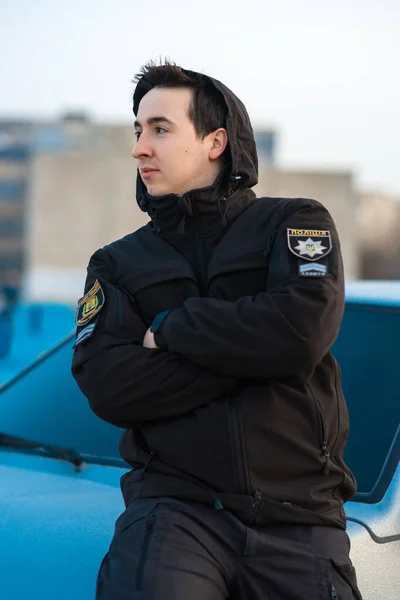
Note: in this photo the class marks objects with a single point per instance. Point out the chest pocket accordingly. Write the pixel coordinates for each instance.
(240, 264)
(154, 275)
(160, 295)
(235, 276)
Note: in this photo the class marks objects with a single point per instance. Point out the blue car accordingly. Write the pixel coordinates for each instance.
(60, 467)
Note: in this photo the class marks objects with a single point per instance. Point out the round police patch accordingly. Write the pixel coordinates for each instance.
(90, 304)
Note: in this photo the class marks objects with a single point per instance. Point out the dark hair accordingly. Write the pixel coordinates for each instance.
(207, 111)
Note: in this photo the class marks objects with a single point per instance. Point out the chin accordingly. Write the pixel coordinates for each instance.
(158, 190)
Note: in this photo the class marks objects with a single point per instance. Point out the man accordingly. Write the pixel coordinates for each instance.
(206, 334)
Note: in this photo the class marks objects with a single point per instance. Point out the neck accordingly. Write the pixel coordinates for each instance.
(207, 180)
(203, 181)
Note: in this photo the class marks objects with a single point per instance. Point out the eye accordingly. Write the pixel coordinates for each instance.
(161, 130)
(137, 135)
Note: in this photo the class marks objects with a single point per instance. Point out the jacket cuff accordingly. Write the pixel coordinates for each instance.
(156, 329)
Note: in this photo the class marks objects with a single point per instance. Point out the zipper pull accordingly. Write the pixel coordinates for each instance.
(257, 498)
(326, 469)
(333, 592)
(151, 521)
(181, 228)
(146, 466)
(223, 213)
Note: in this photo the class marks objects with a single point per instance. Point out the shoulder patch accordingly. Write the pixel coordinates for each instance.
(309, 244)
(85, 333)
(90, 304)
(312, 270)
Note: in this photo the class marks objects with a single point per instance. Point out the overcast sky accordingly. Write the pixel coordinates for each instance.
(325, 74)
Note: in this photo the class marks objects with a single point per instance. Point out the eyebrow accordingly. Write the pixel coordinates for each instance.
(153, 120)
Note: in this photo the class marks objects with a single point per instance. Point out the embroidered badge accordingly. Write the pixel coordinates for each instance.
(312, 270)
(85, 333)
(90, 304)
(310, 244)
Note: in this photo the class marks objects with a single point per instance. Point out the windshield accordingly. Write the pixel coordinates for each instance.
(44, 403)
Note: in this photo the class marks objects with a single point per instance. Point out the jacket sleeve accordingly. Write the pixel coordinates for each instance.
(283, 332)
(125, 383)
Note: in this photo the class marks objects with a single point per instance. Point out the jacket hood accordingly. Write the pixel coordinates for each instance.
(243, 163)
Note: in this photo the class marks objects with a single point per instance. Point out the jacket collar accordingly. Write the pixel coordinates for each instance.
(214, 207)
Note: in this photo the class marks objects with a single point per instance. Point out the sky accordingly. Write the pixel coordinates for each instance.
(324, 74)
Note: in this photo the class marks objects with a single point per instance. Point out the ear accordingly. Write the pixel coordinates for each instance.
(218, 143)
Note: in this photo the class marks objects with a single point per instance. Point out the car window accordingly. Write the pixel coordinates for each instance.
(368, 352)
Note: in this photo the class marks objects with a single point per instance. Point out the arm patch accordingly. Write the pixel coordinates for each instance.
(309, 244)
(85, 333)
(90, 304)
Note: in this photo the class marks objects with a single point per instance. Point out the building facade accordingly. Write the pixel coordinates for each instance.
(15, 160)
(81, 196)
(378, 221)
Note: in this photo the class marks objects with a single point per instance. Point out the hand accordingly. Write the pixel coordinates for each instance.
(148, 341)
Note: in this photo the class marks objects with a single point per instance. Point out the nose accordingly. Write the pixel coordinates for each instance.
(142, 148)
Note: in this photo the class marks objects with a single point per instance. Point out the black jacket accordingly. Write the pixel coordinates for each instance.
(242, 404)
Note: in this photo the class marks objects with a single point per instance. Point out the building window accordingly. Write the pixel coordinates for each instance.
(12, 190)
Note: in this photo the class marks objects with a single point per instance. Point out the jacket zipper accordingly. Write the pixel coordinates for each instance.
(322, 435)
(117, 292)
(150, 523)
(324, 445)
(239, 462)
(337, 382)
(201, 258)
(238, 450)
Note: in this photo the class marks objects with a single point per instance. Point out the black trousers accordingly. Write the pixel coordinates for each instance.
(166, 549)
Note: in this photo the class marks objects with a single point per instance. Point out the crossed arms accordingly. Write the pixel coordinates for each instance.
(206, 346)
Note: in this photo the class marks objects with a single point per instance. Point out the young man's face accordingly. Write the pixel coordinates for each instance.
(171, 158)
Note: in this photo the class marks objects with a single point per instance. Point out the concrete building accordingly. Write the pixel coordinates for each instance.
(15, 157)
(80, 200)
(378, 221)
(266, 142)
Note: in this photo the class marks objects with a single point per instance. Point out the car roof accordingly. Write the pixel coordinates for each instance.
(384, 292)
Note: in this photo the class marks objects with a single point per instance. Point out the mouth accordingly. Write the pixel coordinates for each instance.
(147, 172)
